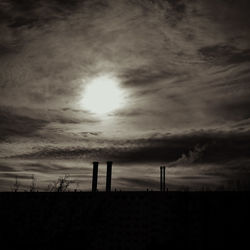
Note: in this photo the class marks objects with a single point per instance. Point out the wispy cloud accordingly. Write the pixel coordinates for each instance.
(183, 66)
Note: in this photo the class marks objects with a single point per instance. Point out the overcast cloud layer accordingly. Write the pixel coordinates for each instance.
(184, 69)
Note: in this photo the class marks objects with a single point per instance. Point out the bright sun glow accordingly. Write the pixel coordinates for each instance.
(102, 95)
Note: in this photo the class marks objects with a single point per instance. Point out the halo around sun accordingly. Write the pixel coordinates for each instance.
(102, 95)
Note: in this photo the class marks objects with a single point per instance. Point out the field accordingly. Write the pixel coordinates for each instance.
(125, 220)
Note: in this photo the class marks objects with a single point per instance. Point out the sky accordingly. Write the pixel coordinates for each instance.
(182, 68)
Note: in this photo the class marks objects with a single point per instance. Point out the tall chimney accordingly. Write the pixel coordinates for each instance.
(108, 176)
(95, 174)
(162, 179)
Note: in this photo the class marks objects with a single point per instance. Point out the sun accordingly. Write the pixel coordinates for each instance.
(102, 95)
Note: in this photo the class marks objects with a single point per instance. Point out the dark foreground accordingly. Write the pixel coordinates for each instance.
(125, 220)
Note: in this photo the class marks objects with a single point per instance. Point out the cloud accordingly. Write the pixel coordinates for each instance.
(225, 54)
(145, 76)
(87, 134)
(183, 65)
(233, 110)
(148, 46)
(43, 125)
(130, 113)
(215, 147)
(18, 125)
(6, 168)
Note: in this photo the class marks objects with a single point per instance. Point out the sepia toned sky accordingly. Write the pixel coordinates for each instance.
(183, 67)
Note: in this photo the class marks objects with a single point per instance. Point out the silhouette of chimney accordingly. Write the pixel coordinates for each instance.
(95, 174)
(108, 176)
(162, 179)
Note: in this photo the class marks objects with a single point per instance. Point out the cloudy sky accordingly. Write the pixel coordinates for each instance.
(182, 68)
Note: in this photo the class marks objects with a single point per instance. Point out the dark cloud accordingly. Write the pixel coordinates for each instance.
(128, 113)
(6, 168)
(5, 50)
(86, 134)
(46, 167)
(178, 5)
(134, 77)
(225, 54)
(18, 125)
(229, 14)
(243, 124)
(14, 175)
(30, 14)
(25, 122)
(237, 109)
(199, 147)
(178, 11)
(193, 177)
(22, 21)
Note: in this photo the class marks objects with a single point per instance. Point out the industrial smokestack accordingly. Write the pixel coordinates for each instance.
(95, 174)
(162, 179)
(108, 176)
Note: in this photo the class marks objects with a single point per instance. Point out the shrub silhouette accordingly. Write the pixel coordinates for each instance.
(61, 185)
(16, 186)
(33, 186)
